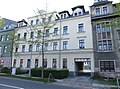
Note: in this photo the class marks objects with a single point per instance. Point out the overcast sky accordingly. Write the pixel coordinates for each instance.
(22, 9)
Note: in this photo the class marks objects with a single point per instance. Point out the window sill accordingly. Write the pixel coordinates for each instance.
(81, 32)
(66, 34)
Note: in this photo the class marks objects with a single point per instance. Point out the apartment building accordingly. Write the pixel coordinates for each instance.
(105, 37)
(73, 50)
(6, 43)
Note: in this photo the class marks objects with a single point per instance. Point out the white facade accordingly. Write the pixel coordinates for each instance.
(77, 51)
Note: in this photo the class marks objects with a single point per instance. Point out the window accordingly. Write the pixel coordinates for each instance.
(2, 38)
(65, 45)
(0, 49)
(65, 63)
(55, 31)
(14, 63)
(80, 27)
(7, 37)
(104, 45)
(108, 27)
(79, 13)
(61, 16)
(55, 45)
(98, 28)
(97, 11)
(37, 21)
(18, 37)
(25, 36)
(23, 48)
(54, 64)
(100, 45)
(1, 62)
(109, 45)
(107, 66)
(32, 35)
(37, 47)
(64, 15)
(81, 44)
(103, 27)
(21, 62)
(105, 11)
(65, 30)
(30, 48)
(36, 63)
(46, 46)
(31, 22)
(47, 32)
(5, 49)
(16, 49)
(28, 63)
(39, 33)
(75, 14)
(45, 63)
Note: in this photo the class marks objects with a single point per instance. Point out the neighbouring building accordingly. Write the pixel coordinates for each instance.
(6, 43)
(105, 37)
(73, 50)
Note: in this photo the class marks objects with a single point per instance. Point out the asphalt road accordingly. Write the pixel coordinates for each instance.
(12, 83)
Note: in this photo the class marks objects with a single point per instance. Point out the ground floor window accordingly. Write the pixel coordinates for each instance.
(1, 62)
(36, 63)
(107, 66)
(54, 64)
(45, 63)
(65, 63)
(14, 63)
(28, 63)
(21, 62)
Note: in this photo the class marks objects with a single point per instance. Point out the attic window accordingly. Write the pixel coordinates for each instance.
(75, 14)
(61, 16)
(64, 15)
(79, 13)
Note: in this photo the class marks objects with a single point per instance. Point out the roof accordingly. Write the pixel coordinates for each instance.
(101, 3)
(81, 7)
(64, 12)
(8, 24)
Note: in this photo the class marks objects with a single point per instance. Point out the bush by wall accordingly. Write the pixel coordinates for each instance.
(21, 71)
(57, 74)
(5, 70)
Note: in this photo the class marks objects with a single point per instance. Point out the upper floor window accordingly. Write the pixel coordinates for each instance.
(46, 46)
(65, 16)
(31, 22)
(61, 16)
(23, 48)
(81, 27)
(2, 38)
(75, 14)
(39, 33)
(37, 21)
(5, 49)
(0, 49)
(47, 32)
(55, 31)
(16, 49)
(38, 47)
(55, 45)
(81, 44)
(97, 11)
(32, 35)
(79, 13)
(7, 37)
(105, 10)
(25, 36)
(65, 45)
(30, 48)
(65, 30)
(98, 28)
(18, 37)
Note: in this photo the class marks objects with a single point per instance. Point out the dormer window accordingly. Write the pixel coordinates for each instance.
(79, 13)
(64, 15)
(37, 21)
(75, 14)
(61, 16)
(105, 11)
(31, 22)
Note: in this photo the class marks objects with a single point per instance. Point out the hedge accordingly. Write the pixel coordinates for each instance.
(57, 74)
(5, 70)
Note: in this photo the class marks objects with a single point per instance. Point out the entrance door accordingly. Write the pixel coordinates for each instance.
(78, 67)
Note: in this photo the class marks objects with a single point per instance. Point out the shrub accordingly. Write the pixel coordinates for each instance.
(5, 70)
(57, 74)
(21, 71)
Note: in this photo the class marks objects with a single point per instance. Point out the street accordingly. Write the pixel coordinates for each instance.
(12, 83)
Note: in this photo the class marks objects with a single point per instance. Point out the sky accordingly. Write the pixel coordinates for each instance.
(22, 9)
